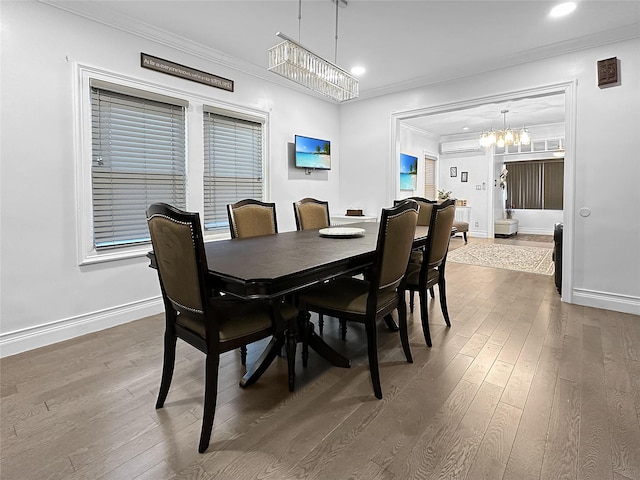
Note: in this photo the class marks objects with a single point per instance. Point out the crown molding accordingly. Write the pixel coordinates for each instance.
(594, 40)
(105, 16)
(101, 14)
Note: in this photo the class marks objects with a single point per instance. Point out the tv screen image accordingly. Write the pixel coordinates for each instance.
(408, 172)
(313, 153)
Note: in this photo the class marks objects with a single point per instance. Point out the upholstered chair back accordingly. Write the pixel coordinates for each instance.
(311, 214)
(395, 240)
(178, 250)
(440, 231)
(251, 218)
(424, 213)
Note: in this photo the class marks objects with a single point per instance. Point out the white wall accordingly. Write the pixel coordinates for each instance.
(602, 167)
(45, 295)
(478, 168)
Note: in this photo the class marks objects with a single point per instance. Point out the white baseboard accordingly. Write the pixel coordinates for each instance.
(606, 301)
(65, 329)
(535, 231)
(477, 233)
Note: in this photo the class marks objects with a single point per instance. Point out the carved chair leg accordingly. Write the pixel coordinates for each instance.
(320, 323)
(442, 290)
(210, 396)
(167, 367)
(372, 350)
(411, 295)
(404, 334)
(343, 329)
(424, 317)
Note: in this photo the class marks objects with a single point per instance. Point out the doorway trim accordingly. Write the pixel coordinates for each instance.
(569, 89)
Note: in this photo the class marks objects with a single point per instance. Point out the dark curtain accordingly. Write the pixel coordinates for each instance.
(535, 184)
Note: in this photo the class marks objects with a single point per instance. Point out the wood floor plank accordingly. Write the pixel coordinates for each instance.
(409, 419)
(517, 389)
(633, 368)
(369, 434)
(630, 334)
(625, 433)
(594, 447)
(474, 345)
(561, 453)
(480, 367)
(432, 446)
(616, 374)
(491, 460)
(570, 363)
(464, 444)
(525, 459)
(499, 373)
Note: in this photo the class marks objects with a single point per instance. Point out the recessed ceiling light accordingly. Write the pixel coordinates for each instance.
(465, 128)
(562, 9)
(358, 70)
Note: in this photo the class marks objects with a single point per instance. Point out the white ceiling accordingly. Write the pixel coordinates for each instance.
(546, 110)
(402, 44)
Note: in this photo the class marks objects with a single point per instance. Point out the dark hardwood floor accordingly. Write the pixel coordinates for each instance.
(521, 386)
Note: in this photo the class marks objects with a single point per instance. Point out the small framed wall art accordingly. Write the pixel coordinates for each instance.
(453, 171)
(464, 177)
(607, 71)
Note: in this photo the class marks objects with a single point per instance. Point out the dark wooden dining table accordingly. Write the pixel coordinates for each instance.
(274, 267)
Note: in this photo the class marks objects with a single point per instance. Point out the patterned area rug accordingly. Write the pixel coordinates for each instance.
(510, 257)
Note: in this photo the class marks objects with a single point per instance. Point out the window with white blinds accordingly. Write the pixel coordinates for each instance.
(429, 178)
(233, 164)
(138, 158)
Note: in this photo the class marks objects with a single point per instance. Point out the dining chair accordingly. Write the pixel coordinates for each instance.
(431, 271)
(212, 324)
(367, 301)
(311, 214)
(250, 218)
(424, 217)
(424, 214)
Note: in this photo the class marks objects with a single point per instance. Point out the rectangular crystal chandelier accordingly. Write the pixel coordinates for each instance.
(294, 62)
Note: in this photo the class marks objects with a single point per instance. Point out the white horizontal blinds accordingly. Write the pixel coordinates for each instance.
(429, 178)
(138, 158)
(233, 164)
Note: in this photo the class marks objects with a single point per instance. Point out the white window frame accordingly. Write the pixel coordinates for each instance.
(235, 115)
(86, 252)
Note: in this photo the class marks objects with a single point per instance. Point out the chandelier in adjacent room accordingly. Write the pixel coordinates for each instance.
(506, 136)
(295, 62)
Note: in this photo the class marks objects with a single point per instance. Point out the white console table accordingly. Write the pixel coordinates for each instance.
(463, 214)
(343, 219)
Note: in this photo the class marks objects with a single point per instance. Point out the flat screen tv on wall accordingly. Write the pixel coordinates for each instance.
(313, 153)
(408, 172)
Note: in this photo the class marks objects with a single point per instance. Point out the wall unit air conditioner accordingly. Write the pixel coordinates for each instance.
(461, 146)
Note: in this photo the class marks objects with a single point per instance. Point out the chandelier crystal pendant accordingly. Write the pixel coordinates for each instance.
(506, 136)
(295, 62)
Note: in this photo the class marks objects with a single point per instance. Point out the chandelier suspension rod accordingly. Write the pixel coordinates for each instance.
(335, 55)
(293, 61)
(299, 19)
